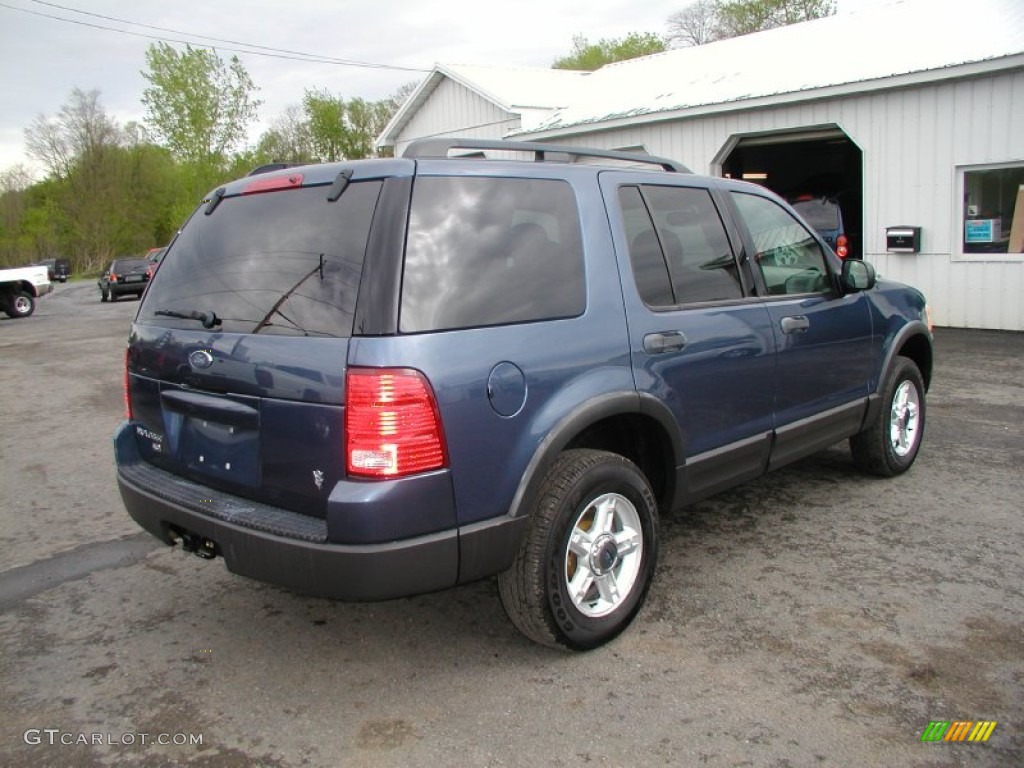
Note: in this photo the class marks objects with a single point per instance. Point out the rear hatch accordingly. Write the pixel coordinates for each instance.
(236, 361)
(823, 215)
(129, 272)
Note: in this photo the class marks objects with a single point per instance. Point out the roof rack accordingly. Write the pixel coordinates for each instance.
(439, 148)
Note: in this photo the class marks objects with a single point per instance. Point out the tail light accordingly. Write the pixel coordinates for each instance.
(127, 392)
(842, 247)
(392, 425)
(113, 277)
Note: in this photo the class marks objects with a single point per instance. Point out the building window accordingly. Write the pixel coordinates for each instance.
(993, 213)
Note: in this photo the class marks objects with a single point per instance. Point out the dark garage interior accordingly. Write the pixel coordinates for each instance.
(796, 165)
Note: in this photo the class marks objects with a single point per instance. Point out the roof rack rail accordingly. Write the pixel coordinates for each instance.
(439, 148)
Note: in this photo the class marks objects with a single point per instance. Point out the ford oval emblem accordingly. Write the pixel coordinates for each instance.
(200, 359)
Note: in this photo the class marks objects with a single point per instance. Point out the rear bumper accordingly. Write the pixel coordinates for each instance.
(281, 547)
(123, 289)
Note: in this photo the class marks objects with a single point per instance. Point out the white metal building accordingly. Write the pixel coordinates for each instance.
(479, 103)
(911, 113)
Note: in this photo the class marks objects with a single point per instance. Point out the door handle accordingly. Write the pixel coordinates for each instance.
(664, 341)
(795, 324)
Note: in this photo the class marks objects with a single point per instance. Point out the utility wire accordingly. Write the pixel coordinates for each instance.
(249, 48)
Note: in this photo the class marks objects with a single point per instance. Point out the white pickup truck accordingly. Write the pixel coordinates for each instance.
(20, 287)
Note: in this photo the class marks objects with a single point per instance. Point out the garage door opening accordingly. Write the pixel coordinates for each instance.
(822, 165)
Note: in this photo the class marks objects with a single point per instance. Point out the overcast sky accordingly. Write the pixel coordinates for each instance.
(49, 48)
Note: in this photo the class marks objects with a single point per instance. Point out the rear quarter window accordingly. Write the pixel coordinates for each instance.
(286, 262)
(490, 251)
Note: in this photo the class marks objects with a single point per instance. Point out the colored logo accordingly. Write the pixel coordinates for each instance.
(958, 730)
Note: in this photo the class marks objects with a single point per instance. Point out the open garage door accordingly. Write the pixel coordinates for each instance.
(813, 164)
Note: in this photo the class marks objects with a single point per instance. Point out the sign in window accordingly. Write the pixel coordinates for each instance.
(994, 210)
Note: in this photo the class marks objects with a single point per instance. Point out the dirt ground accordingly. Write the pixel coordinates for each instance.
(814, 617)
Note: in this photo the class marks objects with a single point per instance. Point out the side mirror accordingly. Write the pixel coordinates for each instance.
(857, 275)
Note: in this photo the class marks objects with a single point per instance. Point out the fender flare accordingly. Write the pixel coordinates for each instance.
(583, 416)
(911, 329)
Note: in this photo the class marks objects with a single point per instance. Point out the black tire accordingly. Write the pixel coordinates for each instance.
(20, 304)
(890, 444)
(581, 486)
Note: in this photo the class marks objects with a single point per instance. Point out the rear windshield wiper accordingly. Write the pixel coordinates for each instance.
(208, 319)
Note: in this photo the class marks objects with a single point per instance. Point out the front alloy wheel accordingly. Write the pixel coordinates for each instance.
(889, 444)
(905, 419)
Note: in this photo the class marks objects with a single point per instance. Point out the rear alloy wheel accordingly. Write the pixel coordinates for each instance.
(589, 554)
(21, 305)
(889, 445)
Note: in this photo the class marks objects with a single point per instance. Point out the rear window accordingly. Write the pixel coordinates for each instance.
(285, 263)
(123, 265)
(820, 214)
(489, 251)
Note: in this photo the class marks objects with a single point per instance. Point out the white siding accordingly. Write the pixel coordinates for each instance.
(454, 110)
(913, 141)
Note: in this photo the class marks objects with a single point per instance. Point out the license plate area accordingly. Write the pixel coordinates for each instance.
(213, 436)
(133, 279)
(224, 451)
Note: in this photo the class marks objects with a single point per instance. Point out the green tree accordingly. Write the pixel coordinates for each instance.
(109, 191)
(197, 104)
(345, 130)
(590, 56)
(365, 120)
(325, 116)
(742, 17)
(287, 141)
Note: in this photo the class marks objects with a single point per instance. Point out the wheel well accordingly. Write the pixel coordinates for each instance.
(641, 440)
(10, 290)
(919, 350)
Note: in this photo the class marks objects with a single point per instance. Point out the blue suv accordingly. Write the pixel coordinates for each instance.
(372, 379)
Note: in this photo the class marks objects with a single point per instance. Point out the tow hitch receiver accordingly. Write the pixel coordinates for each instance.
(197, 545)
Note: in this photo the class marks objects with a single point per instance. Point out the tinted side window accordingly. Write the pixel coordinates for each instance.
(681, 228)
(488, 251)
(650, 272)
(285, 262)
(786, 253)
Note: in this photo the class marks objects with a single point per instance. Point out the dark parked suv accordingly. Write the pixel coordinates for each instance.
(124, 277)
(371, 379)
(58, 269)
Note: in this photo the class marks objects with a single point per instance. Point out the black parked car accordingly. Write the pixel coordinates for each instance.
(57, 269)
(124, 277)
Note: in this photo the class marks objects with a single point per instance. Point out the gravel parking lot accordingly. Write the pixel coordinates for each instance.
(814, 617)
